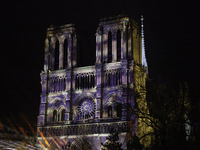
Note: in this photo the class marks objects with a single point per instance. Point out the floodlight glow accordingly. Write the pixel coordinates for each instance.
(82, 95)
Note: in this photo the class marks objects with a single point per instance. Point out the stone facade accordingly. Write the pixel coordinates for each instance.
(86, 102)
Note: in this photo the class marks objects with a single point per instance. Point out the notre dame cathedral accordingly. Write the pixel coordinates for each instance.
(80, 105)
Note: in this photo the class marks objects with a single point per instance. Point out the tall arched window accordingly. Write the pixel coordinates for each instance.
(57, 55)
(109, 47)
(118, 45)
(65, 53)
(63, 115)
(54, 115)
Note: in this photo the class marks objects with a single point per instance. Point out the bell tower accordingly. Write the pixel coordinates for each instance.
(59, 61)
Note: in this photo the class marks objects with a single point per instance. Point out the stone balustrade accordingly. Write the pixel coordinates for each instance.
(83, 129)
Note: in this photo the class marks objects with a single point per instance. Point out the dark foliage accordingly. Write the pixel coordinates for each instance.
(112, 141)
(134, 143)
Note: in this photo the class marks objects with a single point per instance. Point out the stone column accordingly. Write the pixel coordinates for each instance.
(67, 111)
(69, 51)
(46, 55)
(98, 47)
(79, 77)
(105, 47)
(98, 85)
(123, 42)
(74, 51)
(68, 81)
(124, 72)
(114, 46)
(74, 78)
(61, 52)
(52, 53)
(129, 44)
(105, 79)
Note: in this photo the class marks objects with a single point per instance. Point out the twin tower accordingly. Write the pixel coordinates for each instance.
(80, 105)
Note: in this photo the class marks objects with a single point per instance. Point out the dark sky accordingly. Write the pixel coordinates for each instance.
(171, 38)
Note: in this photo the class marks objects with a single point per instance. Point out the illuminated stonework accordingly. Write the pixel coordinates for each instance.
(86, 108)
(88, 101)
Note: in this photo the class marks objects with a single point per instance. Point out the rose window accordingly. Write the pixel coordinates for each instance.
(86, 108)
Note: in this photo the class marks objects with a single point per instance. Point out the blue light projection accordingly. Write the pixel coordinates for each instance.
(86, 108)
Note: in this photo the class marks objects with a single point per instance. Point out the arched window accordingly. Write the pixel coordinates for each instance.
(77, 82)
(64, 80)
(109, 79)
(110, 111)
(119, 110)
(93, 81)
(109, 47)
(63, 115)
(82, 77)
(54, 115)
(65, 53)
(118, 45)
(57, 55)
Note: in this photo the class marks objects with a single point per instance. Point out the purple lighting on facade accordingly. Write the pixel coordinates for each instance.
(86, 108)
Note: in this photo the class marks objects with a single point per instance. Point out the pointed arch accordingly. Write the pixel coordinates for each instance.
(109, 47)
(118, 45)
(65, 53)
(119, 110)
(57, 55)
(54, 115)
(63, 115)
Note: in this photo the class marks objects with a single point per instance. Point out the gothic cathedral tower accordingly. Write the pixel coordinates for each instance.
(80, 105)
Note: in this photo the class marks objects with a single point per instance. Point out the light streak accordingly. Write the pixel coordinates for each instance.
(6, 134)
(42, 145)
(54, 141)
(26, 120)
(45, 140)
(13, 127)
(23, 132)
(60, 141)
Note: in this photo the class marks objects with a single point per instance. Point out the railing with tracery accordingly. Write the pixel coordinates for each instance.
(57, 84)
(84, 81)
(112, 78)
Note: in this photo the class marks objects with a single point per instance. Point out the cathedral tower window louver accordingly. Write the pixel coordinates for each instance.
(118, 45)
(109, 47)
(57, 55)
(65, 53)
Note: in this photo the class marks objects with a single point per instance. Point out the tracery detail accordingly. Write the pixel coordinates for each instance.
(86, 108)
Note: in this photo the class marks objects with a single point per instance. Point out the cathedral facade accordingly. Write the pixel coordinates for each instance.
(80, 105)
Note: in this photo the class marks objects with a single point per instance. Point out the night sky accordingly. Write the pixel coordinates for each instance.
(171, 41)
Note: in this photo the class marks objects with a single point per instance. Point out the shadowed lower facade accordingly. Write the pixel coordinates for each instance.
(81, 104)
